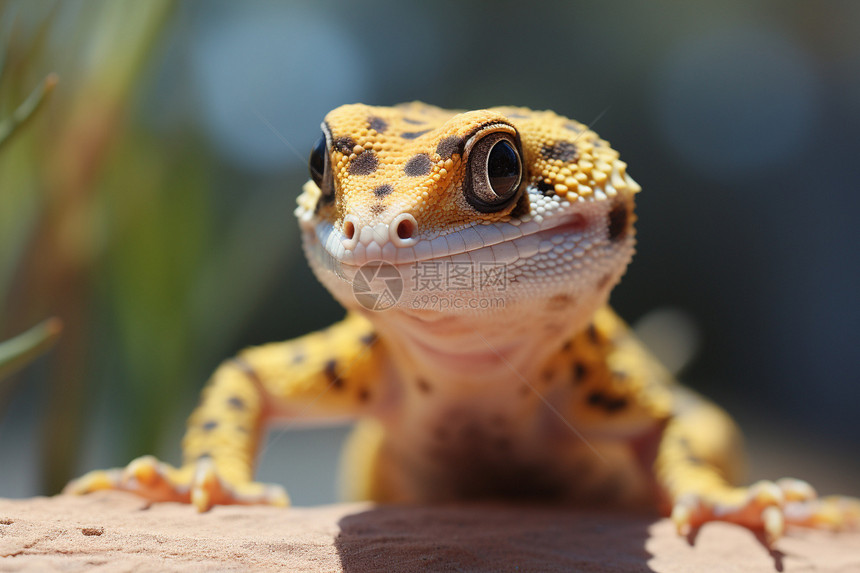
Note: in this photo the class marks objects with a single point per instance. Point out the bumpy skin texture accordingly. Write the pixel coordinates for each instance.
(475, 252)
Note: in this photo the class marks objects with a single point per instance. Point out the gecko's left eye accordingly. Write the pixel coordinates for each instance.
(495, 172)
(316, 163)
(320, 170)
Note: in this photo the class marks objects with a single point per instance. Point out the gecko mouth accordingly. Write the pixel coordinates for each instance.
(500, 242)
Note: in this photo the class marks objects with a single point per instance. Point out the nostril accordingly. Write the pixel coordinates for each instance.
(403, 230)
(350, 230)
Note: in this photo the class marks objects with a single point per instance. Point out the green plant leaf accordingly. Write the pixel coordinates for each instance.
(17, 352)
(10, 125)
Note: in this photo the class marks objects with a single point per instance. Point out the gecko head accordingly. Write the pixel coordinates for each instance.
(488, 211)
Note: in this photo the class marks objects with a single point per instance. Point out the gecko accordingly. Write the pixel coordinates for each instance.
(474, 253)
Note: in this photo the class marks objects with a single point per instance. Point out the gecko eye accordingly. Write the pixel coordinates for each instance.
(317, 161)
(495, 172)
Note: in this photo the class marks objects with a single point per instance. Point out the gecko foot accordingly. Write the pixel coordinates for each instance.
(768, 506)
(198, 484)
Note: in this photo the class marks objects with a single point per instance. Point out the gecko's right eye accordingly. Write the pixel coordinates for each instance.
(317, 161)
(495, 172)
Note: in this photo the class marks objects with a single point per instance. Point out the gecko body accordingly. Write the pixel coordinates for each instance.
(475, 253)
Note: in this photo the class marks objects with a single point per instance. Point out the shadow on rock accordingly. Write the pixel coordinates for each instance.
(485, 537)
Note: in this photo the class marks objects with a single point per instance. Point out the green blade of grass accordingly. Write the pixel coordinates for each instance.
(17, 352)
(25, 111)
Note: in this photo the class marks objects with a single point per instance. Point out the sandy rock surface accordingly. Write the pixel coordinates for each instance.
(119, 532)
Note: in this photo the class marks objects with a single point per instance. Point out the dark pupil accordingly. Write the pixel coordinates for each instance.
(503, 168)
(316, 163)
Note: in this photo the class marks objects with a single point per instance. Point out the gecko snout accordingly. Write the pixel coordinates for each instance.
(401, 232)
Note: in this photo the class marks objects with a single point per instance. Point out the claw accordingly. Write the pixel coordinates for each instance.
(277, 496)
(145, 470)
(206, 483)
(201, 499)
(774, 523)
(766, 493)
(796, 490)
(682, 517)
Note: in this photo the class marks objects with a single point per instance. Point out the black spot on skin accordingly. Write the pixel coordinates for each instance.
(608, 403)
(369, 338)
(547, 189)
(563, 150)
(378, 209)
(592, 334)
(414, 121)
(246, 368)
(236, 403)
(365, 164)
(377, 124)
(363, 395)
(344, 144)
(298, 357)
(449, 146)
(579, 372)
(413, 134)
(330, 372)
(618, 218)
(210, 425)
(383, 190)
(418, 165)
(615, 404)
(424, 386)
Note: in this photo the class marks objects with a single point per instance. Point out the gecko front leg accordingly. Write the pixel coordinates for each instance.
(697, 466)
(332, 372)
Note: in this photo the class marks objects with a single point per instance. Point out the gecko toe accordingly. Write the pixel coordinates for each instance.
(773, 522)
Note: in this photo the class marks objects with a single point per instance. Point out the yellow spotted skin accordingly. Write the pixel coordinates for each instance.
(385, 158)
(527, 386)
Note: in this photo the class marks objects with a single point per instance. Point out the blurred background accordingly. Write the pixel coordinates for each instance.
(147, 200)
